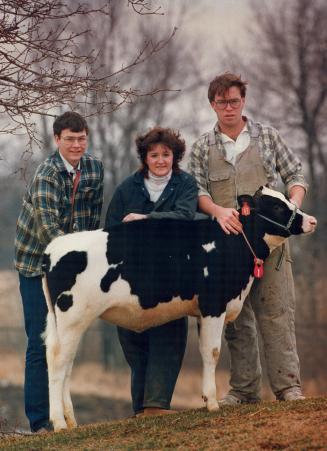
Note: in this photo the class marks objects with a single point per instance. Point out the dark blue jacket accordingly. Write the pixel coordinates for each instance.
(177, 201)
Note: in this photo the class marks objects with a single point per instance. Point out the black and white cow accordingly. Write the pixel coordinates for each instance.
(144, 273)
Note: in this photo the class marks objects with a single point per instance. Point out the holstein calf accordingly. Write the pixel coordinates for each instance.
(144, 273)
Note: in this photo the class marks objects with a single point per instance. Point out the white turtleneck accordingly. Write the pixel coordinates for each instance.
(155, 185)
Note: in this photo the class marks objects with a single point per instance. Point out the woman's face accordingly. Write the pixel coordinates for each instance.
(159, 160)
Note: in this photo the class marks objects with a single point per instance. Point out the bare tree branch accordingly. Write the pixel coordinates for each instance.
(42, 66)
(144, 7)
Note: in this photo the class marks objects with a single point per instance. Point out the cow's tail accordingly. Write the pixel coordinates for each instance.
(50, 335)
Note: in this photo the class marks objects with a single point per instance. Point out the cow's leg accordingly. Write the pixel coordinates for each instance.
(210, 344)
(69, 344)
(60, 360)
(68, 405)
(56, 373)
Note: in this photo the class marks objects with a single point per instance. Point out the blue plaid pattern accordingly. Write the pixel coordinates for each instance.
(46, 210)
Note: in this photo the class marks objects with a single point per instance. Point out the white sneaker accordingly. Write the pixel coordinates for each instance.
(292, 394)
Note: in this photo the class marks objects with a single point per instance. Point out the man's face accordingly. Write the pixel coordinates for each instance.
(229, 114)
(72, 145)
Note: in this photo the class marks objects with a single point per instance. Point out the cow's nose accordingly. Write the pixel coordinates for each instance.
(313, 222)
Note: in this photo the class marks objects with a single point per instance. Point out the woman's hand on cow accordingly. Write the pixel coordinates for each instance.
(228, 218)
(134, 217)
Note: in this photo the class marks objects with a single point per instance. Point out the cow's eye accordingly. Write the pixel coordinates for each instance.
(278, 208)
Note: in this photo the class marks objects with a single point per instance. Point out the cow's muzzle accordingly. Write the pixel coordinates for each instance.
(309, 223)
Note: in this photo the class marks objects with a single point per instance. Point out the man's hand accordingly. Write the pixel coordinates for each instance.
(133, 217)
(228, 220)
(296, 195)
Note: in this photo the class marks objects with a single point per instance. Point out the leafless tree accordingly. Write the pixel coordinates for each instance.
(287, 70)
(42, 65)
(170, 74)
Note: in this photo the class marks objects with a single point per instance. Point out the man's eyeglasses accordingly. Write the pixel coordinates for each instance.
(222, 104)
(72, 139)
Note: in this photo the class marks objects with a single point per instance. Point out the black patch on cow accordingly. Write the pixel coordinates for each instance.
(158, 259)
(63, 275)
(110, 277)
(64, 302)
(162, 259)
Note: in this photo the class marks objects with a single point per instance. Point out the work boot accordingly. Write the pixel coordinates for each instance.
(232, 400)
(291, 394)
(42, 431)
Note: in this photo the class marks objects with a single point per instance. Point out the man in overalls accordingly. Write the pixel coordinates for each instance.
(237, 157)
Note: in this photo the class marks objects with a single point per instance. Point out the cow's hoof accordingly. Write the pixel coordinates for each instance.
(59, 425)
(71, 423)
(212, 406)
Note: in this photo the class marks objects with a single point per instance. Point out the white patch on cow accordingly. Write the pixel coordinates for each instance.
(125, 310)
(188, 257)
(114, 266)
(234, 306)
(270, 192)
(209, 246)
(205, 271)
(81, 241)
(120, 291)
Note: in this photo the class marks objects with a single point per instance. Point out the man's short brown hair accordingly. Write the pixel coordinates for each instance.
(222, 83)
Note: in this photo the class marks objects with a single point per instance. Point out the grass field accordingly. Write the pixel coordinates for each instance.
(293, 426)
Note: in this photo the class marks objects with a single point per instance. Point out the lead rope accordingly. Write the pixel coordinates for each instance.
(258, 262)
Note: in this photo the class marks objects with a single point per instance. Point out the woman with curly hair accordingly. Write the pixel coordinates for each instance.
(159, 189)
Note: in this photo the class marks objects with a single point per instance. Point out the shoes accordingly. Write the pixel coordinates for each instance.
(44, 429)
(233, 400)
(291, 394)
(151, 411)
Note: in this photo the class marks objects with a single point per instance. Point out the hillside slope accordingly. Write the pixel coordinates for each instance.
(300, 425)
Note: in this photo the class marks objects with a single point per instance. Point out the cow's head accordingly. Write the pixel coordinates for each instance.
(281, 218)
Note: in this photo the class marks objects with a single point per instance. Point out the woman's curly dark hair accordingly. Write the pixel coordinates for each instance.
(158, 135)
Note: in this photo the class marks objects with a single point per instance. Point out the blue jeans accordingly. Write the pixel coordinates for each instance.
(36, 374)
(155, 357)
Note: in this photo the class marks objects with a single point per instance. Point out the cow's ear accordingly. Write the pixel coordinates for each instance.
(245, 198)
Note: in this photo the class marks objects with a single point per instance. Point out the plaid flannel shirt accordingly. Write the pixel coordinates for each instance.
(277, 157)
(46, 210)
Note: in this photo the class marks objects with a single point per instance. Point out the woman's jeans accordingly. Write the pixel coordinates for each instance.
(36, 373)
(155, 357)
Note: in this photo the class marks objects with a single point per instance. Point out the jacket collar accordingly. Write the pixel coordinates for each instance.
(60, 163)
(139, 178)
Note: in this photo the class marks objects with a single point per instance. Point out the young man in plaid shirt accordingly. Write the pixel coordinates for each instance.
(237, 157)
(65, 195)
